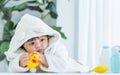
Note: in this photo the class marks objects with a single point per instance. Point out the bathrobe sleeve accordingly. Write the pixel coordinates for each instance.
(59, 61)
(14, 66)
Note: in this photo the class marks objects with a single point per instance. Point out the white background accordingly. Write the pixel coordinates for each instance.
(68, 19)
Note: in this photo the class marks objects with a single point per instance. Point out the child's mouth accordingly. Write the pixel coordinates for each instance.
(40, 51)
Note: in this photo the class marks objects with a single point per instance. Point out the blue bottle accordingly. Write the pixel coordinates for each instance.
(115, 60)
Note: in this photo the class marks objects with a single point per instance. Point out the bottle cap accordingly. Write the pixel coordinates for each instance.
(105, 46)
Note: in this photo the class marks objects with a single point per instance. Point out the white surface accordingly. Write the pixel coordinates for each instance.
(94, 29)
(59, 73)
(116, 23)
(66, 20)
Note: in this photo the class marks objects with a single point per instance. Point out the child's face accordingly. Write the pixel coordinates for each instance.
(38, 44)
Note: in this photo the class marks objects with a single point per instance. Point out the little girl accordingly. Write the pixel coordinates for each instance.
(33, 35)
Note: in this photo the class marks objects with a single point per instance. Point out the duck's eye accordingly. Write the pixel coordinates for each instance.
(34, 57)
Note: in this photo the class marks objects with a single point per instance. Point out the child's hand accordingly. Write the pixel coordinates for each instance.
(24, 58)
(43, 60)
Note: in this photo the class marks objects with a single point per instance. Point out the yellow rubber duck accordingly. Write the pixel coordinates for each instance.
(34, 60)
(101, 69)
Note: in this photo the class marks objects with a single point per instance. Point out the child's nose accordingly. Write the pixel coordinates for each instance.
(38, 45)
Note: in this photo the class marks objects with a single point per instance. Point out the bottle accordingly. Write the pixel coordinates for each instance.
(104, 58)
(115, 60)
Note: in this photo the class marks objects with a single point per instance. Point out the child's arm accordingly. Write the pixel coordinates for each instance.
(43, 60)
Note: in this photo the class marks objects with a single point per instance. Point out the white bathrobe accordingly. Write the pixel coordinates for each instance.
(56, 54)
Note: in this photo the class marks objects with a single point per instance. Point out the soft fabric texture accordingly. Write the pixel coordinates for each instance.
(56, 54)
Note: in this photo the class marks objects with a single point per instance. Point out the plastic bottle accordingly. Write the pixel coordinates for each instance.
(104, 58)
(115, 60)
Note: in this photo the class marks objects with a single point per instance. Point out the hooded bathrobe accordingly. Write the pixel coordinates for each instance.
(56, 54)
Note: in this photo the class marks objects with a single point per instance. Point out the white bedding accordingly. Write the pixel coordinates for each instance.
(60, 73)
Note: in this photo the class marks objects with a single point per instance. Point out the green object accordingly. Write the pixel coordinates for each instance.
(4, 47)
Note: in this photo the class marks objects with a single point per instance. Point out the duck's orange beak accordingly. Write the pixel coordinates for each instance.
(34, 61)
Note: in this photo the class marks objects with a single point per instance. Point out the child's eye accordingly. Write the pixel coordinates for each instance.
(42, 40)
(32, 43)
